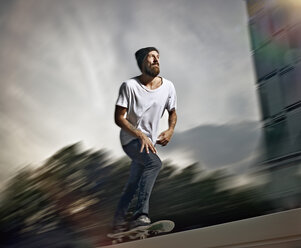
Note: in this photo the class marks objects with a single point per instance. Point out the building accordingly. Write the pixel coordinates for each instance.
(275, 34)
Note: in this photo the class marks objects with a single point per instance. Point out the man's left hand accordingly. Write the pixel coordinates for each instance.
(164, 137)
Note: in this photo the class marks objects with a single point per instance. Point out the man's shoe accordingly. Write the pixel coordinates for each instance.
(142, 220)
(121, 226)
(119, 229)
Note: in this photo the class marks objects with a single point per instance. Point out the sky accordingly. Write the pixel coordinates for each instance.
(62, 62)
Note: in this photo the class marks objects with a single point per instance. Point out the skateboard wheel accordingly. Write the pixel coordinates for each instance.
(153, 233)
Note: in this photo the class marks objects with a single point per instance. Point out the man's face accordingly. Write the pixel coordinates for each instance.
(151, 64)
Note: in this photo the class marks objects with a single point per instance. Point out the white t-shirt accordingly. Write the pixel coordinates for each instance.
(145, 107)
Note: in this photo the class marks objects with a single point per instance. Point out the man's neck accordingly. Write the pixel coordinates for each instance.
(150, 82)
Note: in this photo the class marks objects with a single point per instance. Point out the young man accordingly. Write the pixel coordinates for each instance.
(141, 103)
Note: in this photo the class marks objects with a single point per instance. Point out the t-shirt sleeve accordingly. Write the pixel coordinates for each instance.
(172, 99)
(123, 96)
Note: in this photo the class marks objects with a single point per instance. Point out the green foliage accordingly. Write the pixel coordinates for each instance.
(81, 190)
(21, 200)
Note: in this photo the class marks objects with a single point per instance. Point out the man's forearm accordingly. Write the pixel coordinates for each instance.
(172, 120)
(146, 143)
(126, 125)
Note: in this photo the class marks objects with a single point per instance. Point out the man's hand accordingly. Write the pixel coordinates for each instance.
(146, 144)
(126, 125)
(165, 137)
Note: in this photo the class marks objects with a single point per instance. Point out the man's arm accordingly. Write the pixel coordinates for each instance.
(126, 125)
(165, 136)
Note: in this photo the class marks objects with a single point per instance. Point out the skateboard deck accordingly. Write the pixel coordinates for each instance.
(143, 232)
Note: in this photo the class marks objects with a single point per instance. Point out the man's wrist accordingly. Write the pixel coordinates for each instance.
(136, 132)
(171, 129)
(139, 134)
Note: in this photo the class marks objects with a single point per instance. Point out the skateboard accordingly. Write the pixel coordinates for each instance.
(143, 232)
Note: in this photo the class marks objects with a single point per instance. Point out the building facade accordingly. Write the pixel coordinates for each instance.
(275, 31)
(275, 35)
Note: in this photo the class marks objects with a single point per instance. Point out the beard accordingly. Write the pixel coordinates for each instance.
(152, 70)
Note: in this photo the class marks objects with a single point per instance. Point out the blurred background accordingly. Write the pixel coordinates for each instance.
(236, 150)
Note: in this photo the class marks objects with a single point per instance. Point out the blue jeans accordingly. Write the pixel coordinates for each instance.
(145, 168)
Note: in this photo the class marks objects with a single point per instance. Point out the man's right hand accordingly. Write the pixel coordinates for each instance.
(146, 144)
(126, 125)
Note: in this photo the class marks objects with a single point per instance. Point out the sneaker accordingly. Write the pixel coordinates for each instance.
(120, 226)
(119, 229)
(142, 220)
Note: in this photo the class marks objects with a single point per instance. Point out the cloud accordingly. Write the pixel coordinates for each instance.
(62, 62)
(234, 146)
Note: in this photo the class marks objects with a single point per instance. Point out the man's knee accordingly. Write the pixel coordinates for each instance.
(154, 161)
(159, 162)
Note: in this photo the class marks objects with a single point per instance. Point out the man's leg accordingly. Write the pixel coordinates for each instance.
(147, 181)
(151, 165)
(128, 193)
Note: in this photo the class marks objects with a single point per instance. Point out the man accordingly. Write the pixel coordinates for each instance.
(141, 103)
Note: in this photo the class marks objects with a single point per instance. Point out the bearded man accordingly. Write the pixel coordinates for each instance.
(141, 103)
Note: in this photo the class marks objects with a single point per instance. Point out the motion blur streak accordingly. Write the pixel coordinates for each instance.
(70, 199)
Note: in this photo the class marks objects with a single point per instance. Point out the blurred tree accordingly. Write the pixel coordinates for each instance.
(79, 191)
(21, 200)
